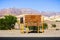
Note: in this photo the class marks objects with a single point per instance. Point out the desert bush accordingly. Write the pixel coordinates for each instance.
(45, 26)
(54, 25)
(7, 22)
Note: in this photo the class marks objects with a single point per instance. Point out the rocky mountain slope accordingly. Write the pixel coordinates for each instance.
(16, 12)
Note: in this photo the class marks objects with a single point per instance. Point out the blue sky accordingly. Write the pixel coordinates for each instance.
(40, 5)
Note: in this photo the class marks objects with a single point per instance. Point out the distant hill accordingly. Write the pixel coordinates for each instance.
(16, 12)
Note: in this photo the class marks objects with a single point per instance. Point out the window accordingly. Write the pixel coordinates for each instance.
(21, 20)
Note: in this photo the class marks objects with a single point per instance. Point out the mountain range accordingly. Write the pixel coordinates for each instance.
(17, 11)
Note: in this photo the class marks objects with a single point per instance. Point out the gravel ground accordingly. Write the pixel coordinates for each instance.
(16, 33)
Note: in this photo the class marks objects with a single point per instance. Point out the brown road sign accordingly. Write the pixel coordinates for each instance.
(32, 19)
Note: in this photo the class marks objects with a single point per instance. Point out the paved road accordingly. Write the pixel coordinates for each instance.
(16, 33)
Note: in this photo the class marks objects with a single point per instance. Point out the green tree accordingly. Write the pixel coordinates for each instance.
(7, 22)
(10, 21)
(2, 24)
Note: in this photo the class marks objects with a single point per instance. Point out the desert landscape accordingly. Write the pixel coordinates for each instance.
(35, 18)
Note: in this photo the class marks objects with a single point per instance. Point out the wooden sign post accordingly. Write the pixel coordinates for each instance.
(33, 19)
(42, 24)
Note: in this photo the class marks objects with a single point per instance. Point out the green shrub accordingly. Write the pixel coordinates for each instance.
(54, 25)
(45, 26)
(33, 27)
(7, 22)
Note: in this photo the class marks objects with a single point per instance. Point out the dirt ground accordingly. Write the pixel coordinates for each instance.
(17, 33)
